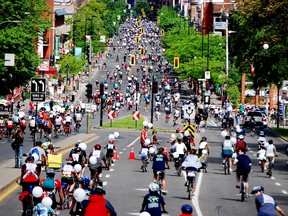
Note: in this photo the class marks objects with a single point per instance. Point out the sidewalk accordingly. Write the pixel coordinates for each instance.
(10, 175)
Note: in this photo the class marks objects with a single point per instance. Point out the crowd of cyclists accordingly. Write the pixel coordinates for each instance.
(187, 155)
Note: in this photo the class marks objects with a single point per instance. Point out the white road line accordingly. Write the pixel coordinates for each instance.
(124, 149)
(120, 152)
(277, 183)
(104, 183)
(195, 200)
(284, 192)
(141, 189)
(272, 177)
(107, 176)
(111, 170)
(113, 164)
(133, 142)
(213, 123)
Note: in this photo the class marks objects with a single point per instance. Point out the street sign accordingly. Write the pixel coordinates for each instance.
(38, 90)
(189, 111)
(207, 75)
(136, 115)
(89, 107)
(190, 128)
(221, 26)
(111, 114)
(9, 59)
(44, 67)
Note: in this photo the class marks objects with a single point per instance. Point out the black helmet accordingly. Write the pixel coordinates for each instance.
(204, 139)
(100, 190)
(38, 143)
(50, 172)
(227, 137)
(30, 159)
(270, 141)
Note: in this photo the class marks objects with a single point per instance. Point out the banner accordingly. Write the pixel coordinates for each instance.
(57, 47)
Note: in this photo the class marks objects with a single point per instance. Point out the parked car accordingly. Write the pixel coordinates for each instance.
(46, 107)
(260, 118)
(3, 104)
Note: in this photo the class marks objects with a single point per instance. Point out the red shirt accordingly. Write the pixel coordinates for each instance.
(143, 136)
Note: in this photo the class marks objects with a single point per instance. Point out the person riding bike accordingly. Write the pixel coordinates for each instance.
(68, 175)
(186, 210)
(51, 186)
(191, 163)
(110, 150)
(159, 161)
(97, 201)
(153, 202)
(271, 152)
(203, 145)
(241, 144)
(96, 169)
(227, 152)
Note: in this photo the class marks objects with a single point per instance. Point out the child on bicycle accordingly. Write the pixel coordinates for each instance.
(110, 150)
(186, 210)
(144, 155)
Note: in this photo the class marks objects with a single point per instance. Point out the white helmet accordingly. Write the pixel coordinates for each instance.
(153, 187)
(241, 136)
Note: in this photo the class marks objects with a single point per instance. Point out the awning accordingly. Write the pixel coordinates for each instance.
(60, 12)
(51, 70)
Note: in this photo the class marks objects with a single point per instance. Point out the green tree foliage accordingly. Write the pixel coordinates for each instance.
(75, 65)
(20, 23)
(188, 47)
(142, 5)
(262, 22)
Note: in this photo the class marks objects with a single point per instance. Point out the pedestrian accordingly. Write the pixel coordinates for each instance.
(17, 146)
(153, 201)
(97, 201)
(143, 135)
(265, 204)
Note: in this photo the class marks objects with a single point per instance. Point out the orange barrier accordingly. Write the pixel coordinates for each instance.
(132, 154)
(115, 155)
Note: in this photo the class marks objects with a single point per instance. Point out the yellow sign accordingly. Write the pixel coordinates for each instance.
(142, 30)
(162, 32)
(137, 38)
(132, 60)
(176, 62)
(142, 51)
(190, 128)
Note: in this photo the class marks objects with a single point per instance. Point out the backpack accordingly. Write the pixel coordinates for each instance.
(48, 183)
(23, 123)
(30, 174)
(35, 151)
(241, 144)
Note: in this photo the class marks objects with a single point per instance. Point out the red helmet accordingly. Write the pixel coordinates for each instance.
(111, 141)
(69, 159)
(97, 146)
(178, 130)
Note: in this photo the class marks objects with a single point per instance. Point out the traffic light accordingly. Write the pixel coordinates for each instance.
(155, 87)
(52, 60)
(89, 91)
(137, 39)
(162, 32)
(132, 60)
(176, 62)
(142, 51)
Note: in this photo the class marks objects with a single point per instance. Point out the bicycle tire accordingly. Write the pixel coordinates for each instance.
(242, 191)
(189, 189)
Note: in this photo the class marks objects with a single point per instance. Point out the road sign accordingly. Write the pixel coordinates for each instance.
(136, 115)
(189, 111)
(38, 90)
(207, 75)
(190, 128)
(9, 59)
(111, 114)
(44, 67)
(89, 107)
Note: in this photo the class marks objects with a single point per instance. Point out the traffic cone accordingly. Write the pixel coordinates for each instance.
(165, 152)
(115, 155)
(132, 154)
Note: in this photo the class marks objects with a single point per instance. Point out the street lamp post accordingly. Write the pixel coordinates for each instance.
(67, 73)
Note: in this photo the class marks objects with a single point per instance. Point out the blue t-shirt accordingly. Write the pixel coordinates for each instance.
(265, 205)
(159, 161)
(153, 203)
(243, 164)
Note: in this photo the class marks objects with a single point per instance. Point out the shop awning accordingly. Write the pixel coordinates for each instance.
(60, 12)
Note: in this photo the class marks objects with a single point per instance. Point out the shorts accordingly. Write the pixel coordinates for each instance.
(68, 180)
(144, 156)
(162, 174)
(95, 171)
(25, 185)
(227, 153)
(245, 175)
(48, 130)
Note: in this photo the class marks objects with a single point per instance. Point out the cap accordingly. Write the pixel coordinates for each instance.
(256, 189)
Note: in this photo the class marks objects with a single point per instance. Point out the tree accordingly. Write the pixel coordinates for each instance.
(20, 23)
(261, 22)
(140, 6)
(75, 65)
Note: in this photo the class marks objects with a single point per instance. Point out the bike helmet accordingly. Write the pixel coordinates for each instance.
(69, 160)
(29, 159)
(204, 139)
(227, 137)
(256, 189)
(187, 209)
(38, 143)
(111, 141)
(241, 137)
(97, 146)
(270, 141)
(100, 190)
(178, 130)
(153, 187)
(50, 172)
(85, 181)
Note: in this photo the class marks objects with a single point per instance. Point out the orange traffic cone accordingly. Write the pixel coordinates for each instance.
(165, 152)
(115, 155)
(132, 154)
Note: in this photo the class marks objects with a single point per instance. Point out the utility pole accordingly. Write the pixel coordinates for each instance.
(90, 76)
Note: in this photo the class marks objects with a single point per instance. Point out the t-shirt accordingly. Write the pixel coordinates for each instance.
(40, 210)
(153, 204)
(265, 205)
(243, 163)
(159, 161)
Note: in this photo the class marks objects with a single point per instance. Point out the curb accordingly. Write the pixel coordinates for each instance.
(277, 134)
(13, 182)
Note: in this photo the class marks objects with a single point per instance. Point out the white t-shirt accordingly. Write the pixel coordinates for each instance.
(180, 147)
(227, 145)
(270, 150)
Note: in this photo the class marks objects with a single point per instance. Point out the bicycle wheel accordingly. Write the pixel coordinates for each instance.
(189, 189)
(242, 191)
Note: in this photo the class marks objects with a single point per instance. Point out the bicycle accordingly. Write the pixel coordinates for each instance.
(226, 166)
(242, 189)
(28, 202)
(144, 165)
(270, 167)
(68, 199)
(159, 179)
(191, 175)
(78, 125)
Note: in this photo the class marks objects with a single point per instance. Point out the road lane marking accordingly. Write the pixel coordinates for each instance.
(104, 183)
(213, 123)
(107, 176)
(124, 149)
(111, 170)
(195, 201)
(3, 196)
(284, 192)
(272, 177)
(120, 152)
(277, 183)
(133, 142)
(141, 189)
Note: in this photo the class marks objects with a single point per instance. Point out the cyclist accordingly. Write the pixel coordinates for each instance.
(227, 152)
(243, 163)
(96, 169)
(110, 150)
(176, 116)
(186, 210)
(203, 145)
(159, 161)
(68, 173)
(153, 202)
(40, 152)
(265, 204)
(97, 201)
(51, 186)
(41, 210)
(143, 135)
(241, 144)
(191, 163)
(271, 152)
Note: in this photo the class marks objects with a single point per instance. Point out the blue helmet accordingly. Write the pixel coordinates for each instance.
(187, 209)
(85, 180)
